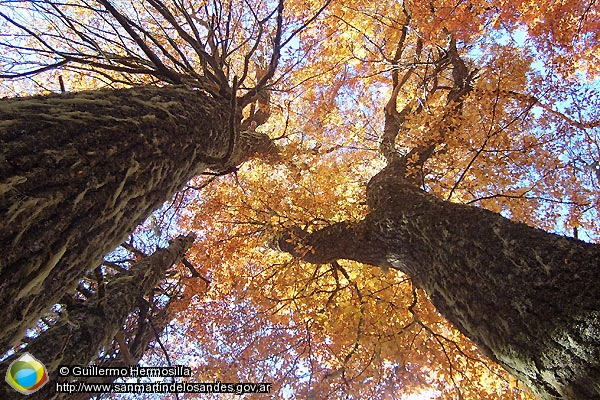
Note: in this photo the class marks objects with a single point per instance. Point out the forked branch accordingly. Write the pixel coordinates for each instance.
(447, 64)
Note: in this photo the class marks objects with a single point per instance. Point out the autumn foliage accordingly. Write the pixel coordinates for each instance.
(521, 139)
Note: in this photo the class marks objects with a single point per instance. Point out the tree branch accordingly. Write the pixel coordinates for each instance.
(127, 25)
(352, 241)
(249, 96)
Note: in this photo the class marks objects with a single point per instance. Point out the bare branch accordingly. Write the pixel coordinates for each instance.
(216, 74)
(35, 71)
(194, 271)
(248, 97)
(123, 348)
(128, 26)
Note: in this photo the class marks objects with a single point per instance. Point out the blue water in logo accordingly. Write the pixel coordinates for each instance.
(26, 377)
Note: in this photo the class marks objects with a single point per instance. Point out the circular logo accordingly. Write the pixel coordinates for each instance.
(26, 374)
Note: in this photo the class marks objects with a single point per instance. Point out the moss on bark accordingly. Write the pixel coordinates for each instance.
(79, 171)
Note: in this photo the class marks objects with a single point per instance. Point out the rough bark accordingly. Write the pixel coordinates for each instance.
(529, 299)
(92, 325)
(144, 336)
(79, 171)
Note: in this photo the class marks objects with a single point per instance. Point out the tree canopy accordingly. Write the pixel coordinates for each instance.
(492, 104)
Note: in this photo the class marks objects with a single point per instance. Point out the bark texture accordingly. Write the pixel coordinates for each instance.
(141, 343)
(92, 325)
(529, 299)
(79, 171)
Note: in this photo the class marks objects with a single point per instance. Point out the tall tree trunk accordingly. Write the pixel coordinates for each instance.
(529, 299)
(79, 171)
(92, 325)
(148, 329)
(137, 349)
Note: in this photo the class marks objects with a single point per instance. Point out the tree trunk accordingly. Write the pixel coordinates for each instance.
(529, 299)
(92, 325)
(79, 171)
(145, 334)
(137, 350)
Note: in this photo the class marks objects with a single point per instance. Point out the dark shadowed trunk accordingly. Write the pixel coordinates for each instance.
(529, 299)
(142, 341)
(79, 171)
(150, 326)
(92, 325)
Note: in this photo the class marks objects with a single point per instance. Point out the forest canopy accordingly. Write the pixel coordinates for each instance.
(491, 104)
